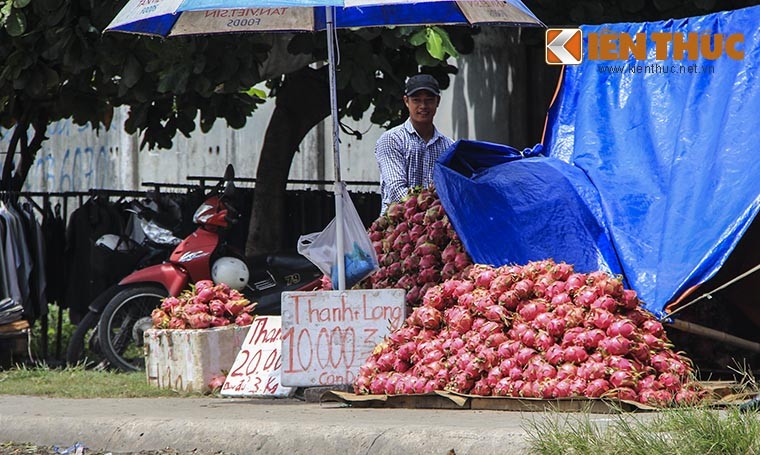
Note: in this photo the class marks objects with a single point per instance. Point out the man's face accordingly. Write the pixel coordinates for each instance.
(422, 106)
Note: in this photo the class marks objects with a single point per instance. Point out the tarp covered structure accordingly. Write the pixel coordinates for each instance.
(673, 159)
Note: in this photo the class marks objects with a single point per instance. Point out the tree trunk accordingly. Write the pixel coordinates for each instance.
(302, 102)
(13, 177)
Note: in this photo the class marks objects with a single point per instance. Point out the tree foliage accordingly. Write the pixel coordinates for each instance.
(375, 62)
(57, 64)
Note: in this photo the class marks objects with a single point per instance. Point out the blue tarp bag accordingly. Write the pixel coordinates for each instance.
(509, 206)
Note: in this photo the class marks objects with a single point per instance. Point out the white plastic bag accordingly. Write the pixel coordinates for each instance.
(321, 247)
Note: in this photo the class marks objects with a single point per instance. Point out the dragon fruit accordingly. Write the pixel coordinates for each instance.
(203, 305)
(538, 330)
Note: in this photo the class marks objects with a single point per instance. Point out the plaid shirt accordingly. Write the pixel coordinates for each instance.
(406, 161)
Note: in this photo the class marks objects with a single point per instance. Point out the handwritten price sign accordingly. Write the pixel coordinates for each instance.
(328, 335)
(257, 368)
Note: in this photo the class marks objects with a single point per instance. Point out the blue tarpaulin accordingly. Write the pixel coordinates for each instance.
(672, 157)
(514, 207)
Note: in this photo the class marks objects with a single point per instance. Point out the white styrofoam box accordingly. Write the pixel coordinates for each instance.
(186, 360)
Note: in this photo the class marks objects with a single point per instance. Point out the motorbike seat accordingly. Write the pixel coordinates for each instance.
(289, 261)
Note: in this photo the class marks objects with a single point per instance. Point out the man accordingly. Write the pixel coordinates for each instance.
(407, 153)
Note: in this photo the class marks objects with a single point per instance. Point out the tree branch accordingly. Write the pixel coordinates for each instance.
(5, 182)
(29, 153)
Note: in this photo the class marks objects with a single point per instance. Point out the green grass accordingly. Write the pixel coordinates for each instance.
(683, 431)
(78, 382)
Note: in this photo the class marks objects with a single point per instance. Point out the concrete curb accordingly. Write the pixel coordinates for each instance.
(256, 427)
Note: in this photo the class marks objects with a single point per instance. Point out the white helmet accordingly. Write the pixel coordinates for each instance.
(231, 271)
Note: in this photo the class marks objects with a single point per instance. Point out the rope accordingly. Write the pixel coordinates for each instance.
(709, 295)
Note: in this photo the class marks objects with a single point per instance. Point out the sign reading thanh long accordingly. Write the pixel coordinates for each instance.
(328, 335)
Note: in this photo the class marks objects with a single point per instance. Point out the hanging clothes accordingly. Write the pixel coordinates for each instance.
(23, 259)
(85, 280)
(5, 283)
(17, 258)
(10, 309)
(54, 237)
(35, 244)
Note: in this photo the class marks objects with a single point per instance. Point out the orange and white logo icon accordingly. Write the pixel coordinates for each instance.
(564, 46)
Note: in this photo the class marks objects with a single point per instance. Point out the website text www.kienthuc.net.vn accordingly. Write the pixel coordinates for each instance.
(656, 68)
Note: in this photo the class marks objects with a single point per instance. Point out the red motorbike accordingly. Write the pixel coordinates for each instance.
(203, 255)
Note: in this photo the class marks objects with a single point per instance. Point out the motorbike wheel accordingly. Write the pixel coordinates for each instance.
(83, 345)
(121, 327)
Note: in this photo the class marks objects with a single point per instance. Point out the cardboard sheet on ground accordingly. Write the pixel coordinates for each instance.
(448, 400)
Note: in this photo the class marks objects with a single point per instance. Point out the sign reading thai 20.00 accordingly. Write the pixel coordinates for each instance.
(328, 335)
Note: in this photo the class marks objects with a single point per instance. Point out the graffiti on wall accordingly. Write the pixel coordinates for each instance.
(73, 158)
(79, 168)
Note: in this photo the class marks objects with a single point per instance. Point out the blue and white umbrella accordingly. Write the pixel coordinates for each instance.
(194, 17)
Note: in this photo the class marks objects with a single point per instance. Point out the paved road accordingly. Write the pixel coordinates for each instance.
(256, 426)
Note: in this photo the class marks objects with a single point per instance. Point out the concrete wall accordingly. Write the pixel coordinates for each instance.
(77, 158)
(476, 106)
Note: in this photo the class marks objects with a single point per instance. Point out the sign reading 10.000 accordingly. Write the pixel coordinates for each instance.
(328, 335)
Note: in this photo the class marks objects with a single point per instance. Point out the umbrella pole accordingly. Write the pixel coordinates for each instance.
(338, 187)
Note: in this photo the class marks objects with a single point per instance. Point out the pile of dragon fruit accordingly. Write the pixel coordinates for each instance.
(204, 305)
(416, 246)
(540, 331)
